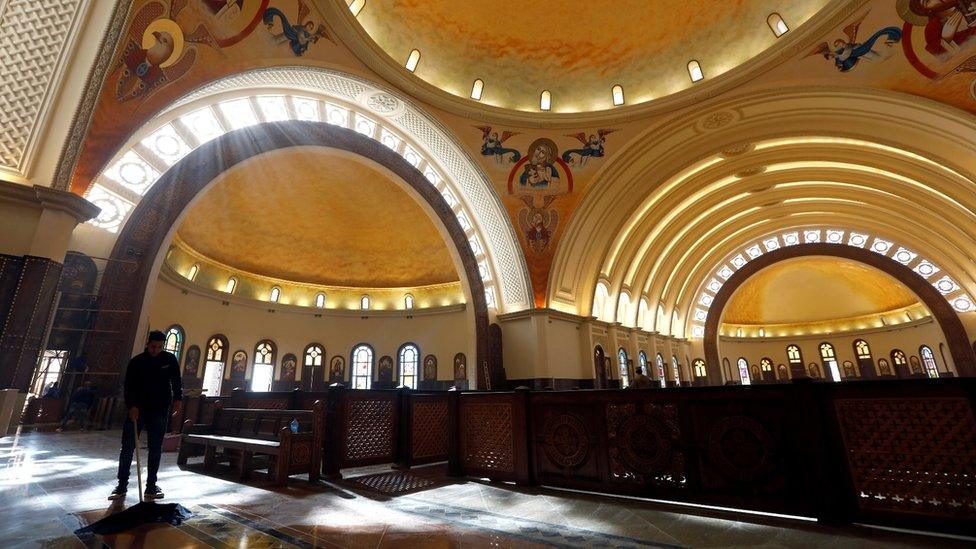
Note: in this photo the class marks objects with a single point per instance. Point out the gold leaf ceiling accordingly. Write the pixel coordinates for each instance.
(314, 216)
(815, 289)
(577, 50)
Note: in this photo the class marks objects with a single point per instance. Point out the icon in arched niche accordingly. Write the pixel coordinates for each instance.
(848, 51)
(385, 374)
(239, 362)
(288, 367)
(158, 50)
(939, 36)
(430, 368)
(192, 362)
(337, 369)
(299, 32)
(460, 367)
(538, 179)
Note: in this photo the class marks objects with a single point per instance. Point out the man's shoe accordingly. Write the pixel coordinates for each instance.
(153, 492)
(118, 493)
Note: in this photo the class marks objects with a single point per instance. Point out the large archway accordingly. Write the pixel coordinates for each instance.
(141, 245)
(955, 333)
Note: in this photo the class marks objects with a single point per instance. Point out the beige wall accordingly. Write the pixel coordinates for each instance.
(18, 222)
(442, 334)
(908, 339)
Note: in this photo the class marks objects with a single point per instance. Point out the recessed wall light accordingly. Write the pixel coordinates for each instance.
(413, 60)
(777, 25)
(356, 6)
(477, 88)
(695, 71)
(618, 95)
(545, 100)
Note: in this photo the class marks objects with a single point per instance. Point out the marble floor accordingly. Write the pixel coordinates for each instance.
(52, 484)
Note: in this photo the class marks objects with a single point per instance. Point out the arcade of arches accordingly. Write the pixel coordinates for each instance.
(304, 193)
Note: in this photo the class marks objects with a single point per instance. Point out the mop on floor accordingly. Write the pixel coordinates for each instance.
(144, 512)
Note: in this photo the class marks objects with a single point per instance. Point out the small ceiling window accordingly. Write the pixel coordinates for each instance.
(275, 294)
(545, 101)
(477, 88)
(618, 95)
(192, 273)
(231, 285)
(408, 302)
(695, 71)
(356, 6)
(364, 303)
(777, 25)
(320, 300)
(413, 60)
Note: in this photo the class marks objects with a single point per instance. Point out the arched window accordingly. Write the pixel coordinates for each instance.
(766, 365)
(545, 100)
(898, 358)
(362, 367)
(213, 372)
(794, 356)
(314, 355)
(928, 359)
(862, 349)
(320, 300)
(699, 366)
(600, 297)
(192, 273)
(231, 285)
(695, 71)
(364, 303)
(408, 302)
(477, 88)
(617, 93)
(623, 309)
(777, 25)
(262, 375)
(622, 364)
(743, 365)
(642, 360)
(677, 370)
(828, 357)
(275, 294)
(864, 361)
(643, 315)
(727, 368)
(659, 362)
(174, 340)
(408, 364)
(413, 60)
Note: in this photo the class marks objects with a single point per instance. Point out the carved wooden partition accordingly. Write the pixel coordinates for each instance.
(425, 428)
(492, 441)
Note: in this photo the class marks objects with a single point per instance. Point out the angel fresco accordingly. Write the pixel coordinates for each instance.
(299, 36)
(157, 52)
(491, 144)
(593, 146)
(847, 52)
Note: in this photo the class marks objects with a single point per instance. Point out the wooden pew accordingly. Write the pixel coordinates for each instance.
(243, 434)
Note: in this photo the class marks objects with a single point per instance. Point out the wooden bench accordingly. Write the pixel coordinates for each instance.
(244, 434)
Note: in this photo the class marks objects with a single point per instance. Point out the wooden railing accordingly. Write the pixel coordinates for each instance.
(899, 452)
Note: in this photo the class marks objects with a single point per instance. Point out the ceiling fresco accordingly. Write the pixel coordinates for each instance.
(318, 218)
(815, 289)
(577, 51)
(170, 47)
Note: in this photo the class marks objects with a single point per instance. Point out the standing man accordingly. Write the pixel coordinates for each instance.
(641, 381)
(152, 384)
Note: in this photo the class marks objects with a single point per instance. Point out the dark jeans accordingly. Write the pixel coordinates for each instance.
(154, 423)
(79, 412)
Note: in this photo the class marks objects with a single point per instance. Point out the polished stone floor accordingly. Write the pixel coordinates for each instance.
(51, 484)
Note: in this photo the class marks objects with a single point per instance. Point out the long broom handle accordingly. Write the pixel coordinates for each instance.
(135, 435)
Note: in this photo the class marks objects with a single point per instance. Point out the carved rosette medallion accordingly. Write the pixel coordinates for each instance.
(566, 441)
(741, 448)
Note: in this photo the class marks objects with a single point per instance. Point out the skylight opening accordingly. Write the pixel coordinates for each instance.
(477, 88)
(356, 6)
(618, 95)
(320, 300)
(413, 60)
(695, 71)
(192, 273)
(364, 303)
(231, 285)
(545, 100)
(777, 25)
(275, 294)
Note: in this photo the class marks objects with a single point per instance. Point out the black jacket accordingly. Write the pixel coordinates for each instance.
(153, 383)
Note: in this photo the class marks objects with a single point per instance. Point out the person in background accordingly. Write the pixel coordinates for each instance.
(79, 407)
(152, 385)
(641, 381)
(51, 391)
